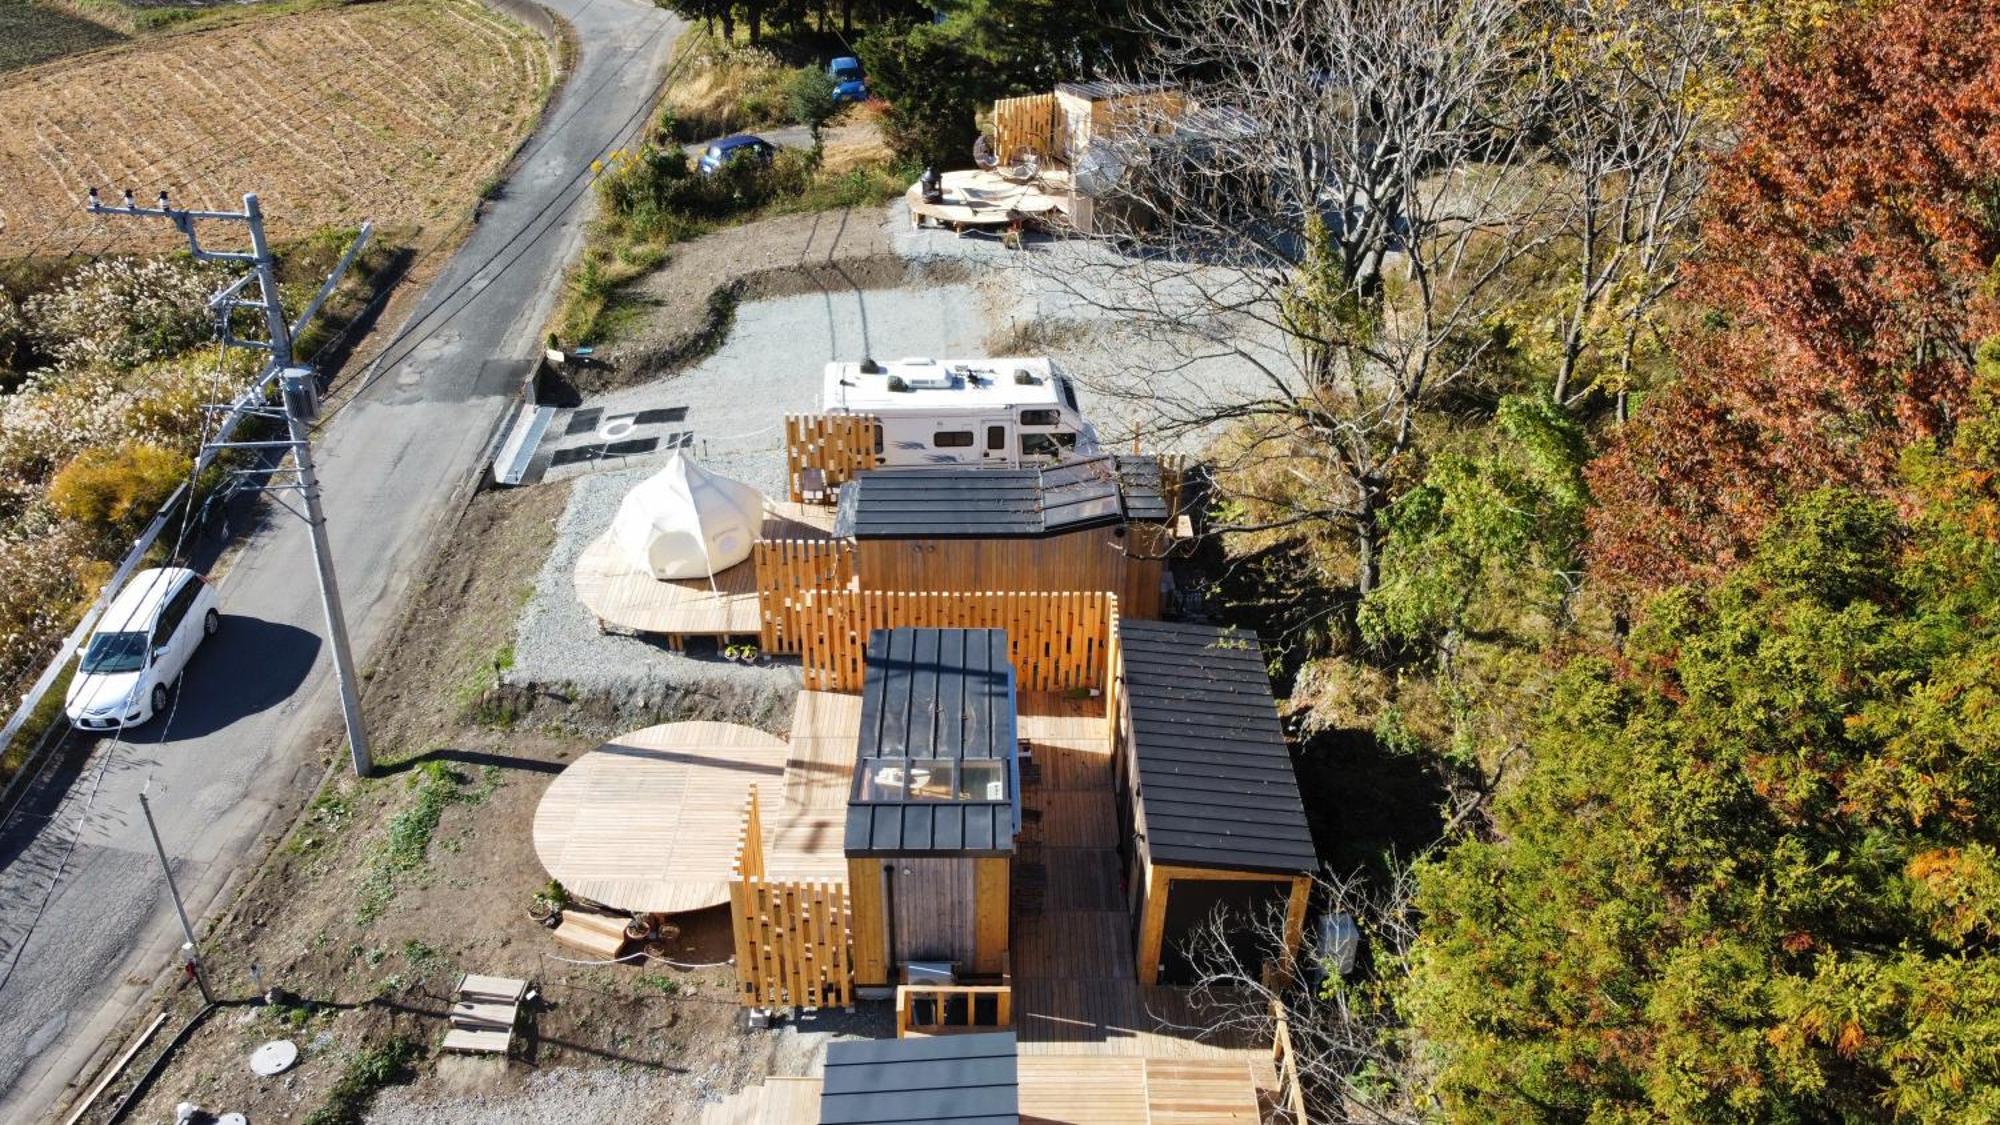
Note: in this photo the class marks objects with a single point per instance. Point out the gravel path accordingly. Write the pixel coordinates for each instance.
(557, 646)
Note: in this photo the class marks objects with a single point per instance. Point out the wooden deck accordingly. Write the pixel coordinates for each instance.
(648, 822)
(1078, 1007)
(1086, 1090)
(628, 599)
(974, 198)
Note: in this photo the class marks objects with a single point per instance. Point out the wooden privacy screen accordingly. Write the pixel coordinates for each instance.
(1056, 641)
(838, 445)
(1023, 125)
(787, 571)
(792, 943)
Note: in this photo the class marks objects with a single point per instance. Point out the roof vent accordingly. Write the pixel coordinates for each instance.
(896, 384)
(1024, 377)
(870, 367)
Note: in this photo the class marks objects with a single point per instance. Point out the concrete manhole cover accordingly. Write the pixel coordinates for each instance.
(274, 1057)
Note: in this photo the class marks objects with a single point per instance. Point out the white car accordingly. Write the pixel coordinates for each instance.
(140, 646)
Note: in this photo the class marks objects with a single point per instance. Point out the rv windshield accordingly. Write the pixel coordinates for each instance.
(111, 653)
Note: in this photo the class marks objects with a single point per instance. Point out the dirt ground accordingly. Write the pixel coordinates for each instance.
(671, 1032)
(407, 109)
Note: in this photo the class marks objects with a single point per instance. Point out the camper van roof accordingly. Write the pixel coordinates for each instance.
(942, 383)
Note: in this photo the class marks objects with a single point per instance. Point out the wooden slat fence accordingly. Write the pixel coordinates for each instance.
(1113, 689)
(942, 1009)
(793, 939)
(838, 445)
(1056, 641)
(788, 570)
(1026, 124)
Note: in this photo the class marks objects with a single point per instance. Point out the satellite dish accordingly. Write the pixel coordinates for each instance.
(1100, 169)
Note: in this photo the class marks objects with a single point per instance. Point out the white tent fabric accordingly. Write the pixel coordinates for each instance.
(686, 522)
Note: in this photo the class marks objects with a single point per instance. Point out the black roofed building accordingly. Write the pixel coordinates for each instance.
(935, 803)
(961, 1079)
(1208, 800)
(1100, 523)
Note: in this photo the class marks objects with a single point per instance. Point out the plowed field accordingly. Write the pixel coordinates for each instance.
(397, 111)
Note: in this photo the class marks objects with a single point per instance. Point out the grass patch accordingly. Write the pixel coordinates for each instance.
(366, 1073)
(329, 814)
(407, 845)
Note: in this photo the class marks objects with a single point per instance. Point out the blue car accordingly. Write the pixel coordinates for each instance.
(740, 145)
(847, 82)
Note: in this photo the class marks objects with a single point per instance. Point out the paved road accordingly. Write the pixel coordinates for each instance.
(84, 918)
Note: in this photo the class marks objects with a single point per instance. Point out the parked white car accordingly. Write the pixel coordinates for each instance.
(140, 647)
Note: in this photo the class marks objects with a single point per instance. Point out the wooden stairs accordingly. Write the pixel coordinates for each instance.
(483, 1015)
(778, 1101)
(598, 936)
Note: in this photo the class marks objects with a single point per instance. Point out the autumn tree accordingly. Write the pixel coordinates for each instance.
(1754, 873)
(1848, 262)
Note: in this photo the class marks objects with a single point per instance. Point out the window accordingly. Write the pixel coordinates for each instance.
(1041, 418)
(1046, 445)
(996, 438)
(1068, 393)
(952, 439)
(111, 653)
(177, 607)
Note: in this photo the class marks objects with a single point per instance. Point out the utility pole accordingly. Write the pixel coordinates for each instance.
(298, 394)
(174, 892)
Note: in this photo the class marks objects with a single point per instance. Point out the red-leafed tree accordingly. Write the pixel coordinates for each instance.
(1849, 260)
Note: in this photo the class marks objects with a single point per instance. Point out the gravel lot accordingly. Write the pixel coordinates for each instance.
(1038, 301)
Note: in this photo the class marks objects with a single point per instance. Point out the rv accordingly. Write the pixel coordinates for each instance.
(1000, 413)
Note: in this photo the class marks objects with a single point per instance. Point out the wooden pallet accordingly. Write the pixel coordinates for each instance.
(484, 1014)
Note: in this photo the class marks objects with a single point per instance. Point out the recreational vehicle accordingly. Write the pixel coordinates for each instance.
(999, 413)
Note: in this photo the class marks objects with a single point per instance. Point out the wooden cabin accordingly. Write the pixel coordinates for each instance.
(1099, 524)
(935, 804)
(1208, 803)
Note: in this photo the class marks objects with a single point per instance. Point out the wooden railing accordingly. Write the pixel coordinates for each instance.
(943, 1009)
(837, 445)
(1056, 641)
(793, 939)
(1291, 1095)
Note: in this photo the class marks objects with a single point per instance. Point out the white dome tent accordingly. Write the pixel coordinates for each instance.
(686, 522)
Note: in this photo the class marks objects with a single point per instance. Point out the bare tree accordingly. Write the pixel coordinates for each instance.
(1339, 215)
(1348, 1042)
(1627, 120)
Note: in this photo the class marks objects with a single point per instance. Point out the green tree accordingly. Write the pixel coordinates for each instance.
(934, 92)
(1752, 873)
(1504, 523)
(809, 101)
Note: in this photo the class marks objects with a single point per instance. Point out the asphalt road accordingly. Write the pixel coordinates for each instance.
(85, 922)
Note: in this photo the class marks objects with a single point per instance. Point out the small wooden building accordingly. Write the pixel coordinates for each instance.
(935, 804)
(1096, 524)
(1208, 803)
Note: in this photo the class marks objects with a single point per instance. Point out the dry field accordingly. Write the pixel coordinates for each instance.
(399, 111)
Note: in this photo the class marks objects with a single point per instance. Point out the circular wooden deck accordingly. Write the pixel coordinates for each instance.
(622, 596)
(649, 821)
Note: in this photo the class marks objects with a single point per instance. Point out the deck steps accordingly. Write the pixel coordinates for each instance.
(597, 935)
(777, 1101)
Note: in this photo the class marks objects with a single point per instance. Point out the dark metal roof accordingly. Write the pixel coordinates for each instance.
(972, 1079)
(1215, 777)
(969, 502)
(933, 700)
(1101, 89)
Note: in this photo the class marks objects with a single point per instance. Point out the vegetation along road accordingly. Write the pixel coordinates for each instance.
(84, 919)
